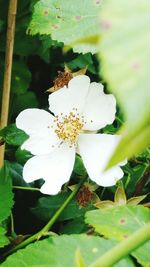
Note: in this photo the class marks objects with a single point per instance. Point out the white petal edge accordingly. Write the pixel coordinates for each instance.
(55, 168)
(72, 97)
(96, 150)
(42, 142)
(100, 108)
(33, 120)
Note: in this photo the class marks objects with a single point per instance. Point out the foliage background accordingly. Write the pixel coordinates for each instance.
(59, 33)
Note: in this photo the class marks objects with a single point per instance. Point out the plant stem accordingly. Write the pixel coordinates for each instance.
(142, 181)
(123, 248)
(47, 227)
(26, 188)
(8, 69)
(13, 234)
(118, 119)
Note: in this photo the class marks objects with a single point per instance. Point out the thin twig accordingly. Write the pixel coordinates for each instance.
(26, 188)
(140, 184)
(8, 69)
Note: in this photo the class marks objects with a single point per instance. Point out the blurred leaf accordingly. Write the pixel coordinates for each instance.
(74, 226)
(119, 222)
(120, 196)
(60, 251)
(125, 40)
(12, 135)
(104, 204)
(21, 77)
(135, 173)
(6, 195)
(1, 25)
(47, 206)
(142, 254)
(75, 25)
(24, 101)
(79, 260)
(6, 200)
(3, 239)
(136, 200)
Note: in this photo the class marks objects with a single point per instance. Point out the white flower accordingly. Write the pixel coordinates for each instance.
(80, 110)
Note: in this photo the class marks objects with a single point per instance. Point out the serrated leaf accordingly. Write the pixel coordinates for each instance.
(12, 135)
(6, 195)
(125, 40)
(47, 206)
(68, 22)
(60, 252)
(119, 222)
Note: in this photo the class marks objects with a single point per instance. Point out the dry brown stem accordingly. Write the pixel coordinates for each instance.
(8, 69)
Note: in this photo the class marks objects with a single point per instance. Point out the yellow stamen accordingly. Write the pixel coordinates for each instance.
(69, 127)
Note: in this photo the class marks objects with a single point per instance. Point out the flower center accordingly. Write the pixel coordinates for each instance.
(69, 127)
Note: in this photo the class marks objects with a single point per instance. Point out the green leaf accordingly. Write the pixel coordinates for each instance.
(1, 25)
(82, 61)
(6, 195)
(22, 155)
(74, 226)
(23, 101)
(12, 135)
(135, 173)
(119, 222)
(79, 168)
(21, 77)
(60, 251)
(47, 206)
(3, 239)
(120, 196)
(125, 40)
(79, 260)
(6, 201)
(74, 24)
(142, 254)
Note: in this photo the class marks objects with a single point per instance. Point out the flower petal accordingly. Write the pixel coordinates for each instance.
(100, 108)
(42, 142)
(96, 150)
(54, 168)
(110, 177)
(33, 120)
(68, 98)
